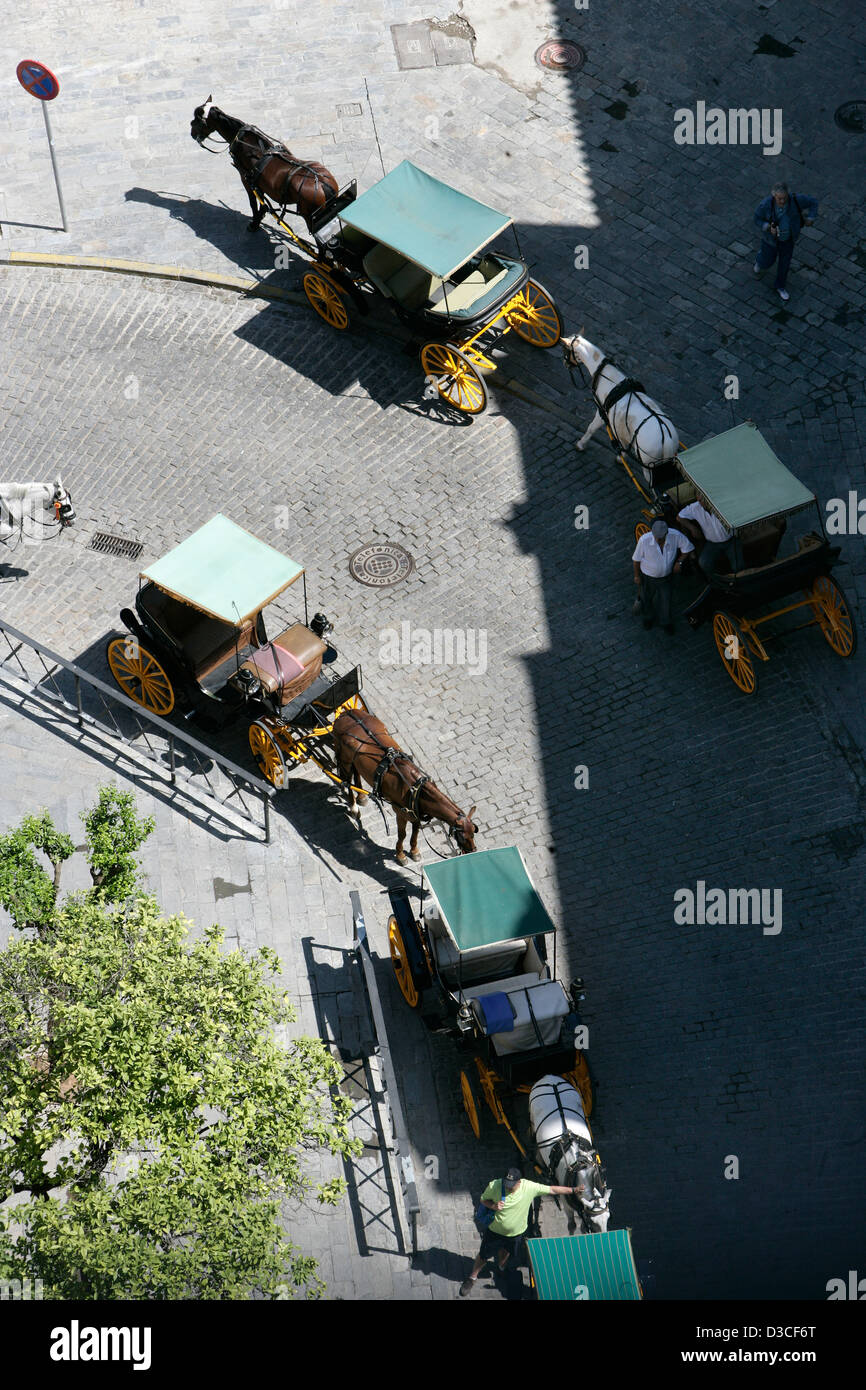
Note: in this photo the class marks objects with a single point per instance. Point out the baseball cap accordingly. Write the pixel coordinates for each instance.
(660, 529)
(512, 1177)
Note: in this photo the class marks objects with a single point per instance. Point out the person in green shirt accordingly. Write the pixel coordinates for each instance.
(511, 1220)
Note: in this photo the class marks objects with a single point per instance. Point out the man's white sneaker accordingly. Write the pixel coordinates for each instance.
(783, 294)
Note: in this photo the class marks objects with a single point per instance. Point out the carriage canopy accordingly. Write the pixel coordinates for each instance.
(487, 897)
(424, 220)
(224, 571)
(602, 1264)
(740, 478)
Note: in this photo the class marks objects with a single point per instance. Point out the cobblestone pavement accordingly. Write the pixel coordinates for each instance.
(166, 403)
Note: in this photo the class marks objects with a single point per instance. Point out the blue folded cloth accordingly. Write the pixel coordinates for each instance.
(498, 1013)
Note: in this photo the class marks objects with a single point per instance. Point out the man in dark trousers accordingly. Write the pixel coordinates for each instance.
(781, 217)
(657, 558)
(511, 1199)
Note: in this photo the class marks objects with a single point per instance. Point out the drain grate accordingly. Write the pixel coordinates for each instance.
(380, 564)
(559, 55)
(851, 116)
(116, 545)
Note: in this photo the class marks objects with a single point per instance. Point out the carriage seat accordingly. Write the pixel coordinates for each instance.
(760, 547)
(398, 278)
(290, 663)
(549, 1006)
(472, 288)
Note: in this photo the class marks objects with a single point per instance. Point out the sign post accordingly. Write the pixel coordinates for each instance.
(41, 83)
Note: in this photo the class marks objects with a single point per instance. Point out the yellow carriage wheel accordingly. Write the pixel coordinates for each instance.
(470, 1104)
(834, 616)
(458, 381)
(535, 317)
(734, 651)
(327, 300)
(400, 962)
(139, 675)
(268, 755)
(641, 529)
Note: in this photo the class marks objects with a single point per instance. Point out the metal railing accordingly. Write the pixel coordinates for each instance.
(148, 743)
(400, 1145)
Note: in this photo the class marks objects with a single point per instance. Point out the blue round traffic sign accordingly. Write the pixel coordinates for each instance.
(37, 79)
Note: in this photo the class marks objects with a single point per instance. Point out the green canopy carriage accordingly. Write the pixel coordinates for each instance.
(197, 640)
(595, 1268)
(738, 479)
(424, 250)
(474, 965)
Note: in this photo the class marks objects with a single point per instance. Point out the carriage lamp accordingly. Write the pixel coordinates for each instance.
(248, 683)
(576, 990)
(320, 625)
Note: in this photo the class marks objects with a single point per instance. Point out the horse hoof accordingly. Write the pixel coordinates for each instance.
(362, 799)
(415, 856)
(401, 858)
(580, 448)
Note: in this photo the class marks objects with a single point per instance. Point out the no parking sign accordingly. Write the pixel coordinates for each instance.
(41, 83)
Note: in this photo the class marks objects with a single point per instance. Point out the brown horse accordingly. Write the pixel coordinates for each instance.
(365, 749)
(266, 166)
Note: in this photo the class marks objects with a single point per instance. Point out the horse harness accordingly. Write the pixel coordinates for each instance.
(386, 764)
(272, 148)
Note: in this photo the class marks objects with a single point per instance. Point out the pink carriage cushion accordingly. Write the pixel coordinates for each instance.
(276, 665)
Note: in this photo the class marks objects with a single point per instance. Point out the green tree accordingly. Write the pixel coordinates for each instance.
(114, 833)
(27, 892)
(152, 1125)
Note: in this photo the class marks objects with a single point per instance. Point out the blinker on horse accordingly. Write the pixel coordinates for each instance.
(265, 165)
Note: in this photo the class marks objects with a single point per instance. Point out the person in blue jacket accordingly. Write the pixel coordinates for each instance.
(781, 217)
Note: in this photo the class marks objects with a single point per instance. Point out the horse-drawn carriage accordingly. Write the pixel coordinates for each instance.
(197, 642)
(410, 242)
(474, 966)
(737, 478)
(197, 639)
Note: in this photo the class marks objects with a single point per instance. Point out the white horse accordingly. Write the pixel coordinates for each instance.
(564, 1148)
(637, 422)
(21, 505)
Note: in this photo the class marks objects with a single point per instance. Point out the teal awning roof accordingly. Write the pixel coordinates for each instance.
(592, 1268)
(224, 571)
(738, 477)
(487, 897)
(425, 220)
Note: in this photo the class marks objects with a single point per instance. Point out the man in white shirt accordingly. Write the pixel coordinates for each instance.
(656, 560)
(716, 537)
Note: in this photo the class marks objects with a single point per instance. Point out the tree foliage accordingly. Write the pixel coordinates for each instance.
(26, 890)
(153, 1125)
(114, 832)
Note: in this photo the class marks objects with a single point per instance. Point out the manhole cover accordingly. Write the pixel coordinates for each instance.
(560, 56)
(380, 564)
(115, 545)
(851, 116)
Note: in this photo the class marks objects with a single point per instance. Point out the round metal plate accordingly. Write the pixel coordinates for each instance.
(851, 116)
(559, 55)
(380, 564)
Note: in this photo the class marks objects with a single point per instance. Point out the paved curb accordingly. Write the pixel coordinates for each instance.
(254, 289)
